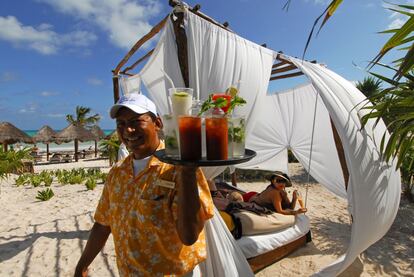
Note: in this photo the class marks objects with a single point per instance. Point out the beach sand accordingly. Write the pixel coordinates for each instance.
(46, 238)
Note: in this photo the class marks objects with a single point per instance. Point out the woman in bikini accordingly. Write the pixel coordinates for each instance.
(275, 197)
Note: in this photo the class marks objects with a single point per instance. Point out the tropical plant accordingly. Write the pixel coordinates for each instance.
(45, 195)
(22, 180)
(48, 180)
(36, 180)
(90, 183)
(109, 148)
(370, 86)
(81, 117)
(12, 161)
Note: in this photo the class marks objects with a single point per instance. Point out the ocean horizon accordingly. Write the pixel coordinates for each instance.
(53, 147)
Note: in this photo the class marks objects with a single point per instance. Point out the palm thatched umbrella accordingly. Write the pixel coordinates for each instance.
(45, 135)
(99, 134)
(10, 134)
(77, 133)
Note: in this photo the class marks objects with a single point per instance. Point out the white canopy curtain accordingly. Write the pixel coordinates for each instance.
(284, 121)
(218, 58)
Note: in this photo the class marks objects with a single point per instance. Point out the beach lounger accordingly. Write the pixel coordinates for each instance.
(67, 158)
(56, 158)
(263, 250)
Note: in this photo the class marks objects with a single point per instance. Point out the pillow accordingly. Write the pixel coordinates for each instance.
(228, 220)
(254, 224)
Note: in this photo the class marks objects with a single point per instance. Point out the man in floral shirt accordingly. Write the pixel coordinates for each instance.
(155, 211)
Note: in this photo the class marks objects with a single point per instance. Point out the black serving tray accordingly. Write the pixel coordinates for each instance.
(160, 154)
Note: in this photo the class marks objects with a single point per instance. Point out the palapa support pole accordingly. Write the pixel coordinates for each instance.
(47, 152)
(76, 150)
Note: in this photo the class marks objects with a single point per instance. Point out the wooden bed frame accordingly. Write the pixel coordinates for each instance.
(259, 262)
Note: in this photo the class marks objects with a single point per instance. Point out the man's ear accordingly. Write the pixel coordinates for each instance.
(158, 123)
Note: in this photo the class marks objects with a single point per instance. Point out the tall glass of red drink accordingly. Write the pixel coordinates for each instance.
(190, 137)
(217, 138)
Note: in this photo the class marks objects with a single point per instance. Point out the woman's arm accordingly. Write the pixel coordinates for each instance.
(189, 223)
(277, 204)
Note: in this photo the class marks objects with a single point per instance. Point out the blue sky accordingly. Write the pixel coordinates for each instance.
(56, 54)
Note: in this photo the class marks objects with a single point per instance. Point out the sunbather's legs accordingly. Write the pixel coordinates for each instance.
(297, 197)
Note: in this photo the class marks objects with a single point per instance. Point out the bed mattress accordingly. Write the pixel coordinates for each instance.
(259, 244)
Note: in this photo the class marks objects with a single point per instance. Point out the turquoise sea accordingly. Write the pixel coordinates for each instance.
(61, 147)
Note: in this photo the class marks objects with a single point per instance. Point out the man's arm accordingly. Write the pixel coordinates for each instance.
(96, 241)
(189, 223)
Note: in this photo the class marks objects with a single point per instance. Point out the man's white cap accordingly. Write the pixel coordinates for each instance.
(138, 103)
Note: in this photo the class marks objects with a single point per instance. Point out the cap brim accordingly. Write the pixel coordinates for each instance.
(115, 108)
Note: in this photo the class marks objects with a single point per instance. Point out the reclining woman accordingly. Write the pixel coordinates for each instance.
(275, 197)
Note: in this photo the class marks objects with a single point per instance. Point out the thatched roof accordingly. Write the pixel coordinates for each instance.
(73, 132)
(97, 132)
(45, 135)
(10, 134)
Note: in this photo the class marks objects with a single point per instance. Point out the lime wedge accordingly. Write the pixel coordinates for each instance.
(181, 94)
(232, 91)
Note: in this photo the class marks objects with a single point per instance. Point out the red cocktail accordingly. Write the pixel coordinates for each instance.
(190, 137)
(226, 97)
(216, 138)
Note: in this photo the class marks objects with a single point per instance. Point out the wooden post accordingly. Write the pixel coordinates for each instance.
(76, 150)
(96, 148)
(341, 154)
(47, 151)
(181, 40)
(115, 82)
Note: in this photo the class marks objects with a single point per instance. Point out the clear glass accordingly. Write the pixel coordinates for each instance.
(181, 100)
(190, 137)
(170, 130)
(237, 136)
(217, 137)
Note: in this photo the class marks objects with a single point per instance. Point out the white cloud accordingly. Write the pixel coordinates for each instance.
(95, 81)
(320, 2)
(396, 23)
(41, 38)
(398, 19)
(29, 108)
(48, 93)
(54, 115)
(7, 77)
(369, 5)
(124, 20)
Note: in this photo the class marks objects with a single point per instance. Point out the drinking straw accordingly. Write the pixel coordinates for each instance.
(172, 85)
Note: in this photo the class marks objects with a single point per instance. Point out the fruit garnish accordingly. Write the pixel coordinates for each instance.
(232, 91)
(181, 94)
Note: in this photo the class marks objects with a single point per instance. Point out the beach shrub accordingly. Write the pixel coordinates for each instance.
(12, 161)
(45, 195)
(75, 179)
(48, 180)
(102, 177)
(90, 183)
(23, 180)
(35, 180)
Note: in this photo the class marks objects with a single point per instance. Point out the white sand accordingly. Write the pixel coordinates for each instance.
(46, 238)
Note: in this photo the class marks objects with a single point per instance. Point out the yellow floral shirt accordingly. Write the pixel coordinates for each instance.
(142, 216)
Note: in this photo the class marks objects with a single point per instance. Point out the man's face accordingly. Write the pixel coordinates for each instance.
(139, 132)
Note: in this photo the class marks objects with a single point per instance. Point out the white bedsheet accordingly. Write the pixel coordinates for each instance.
(255, 245)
